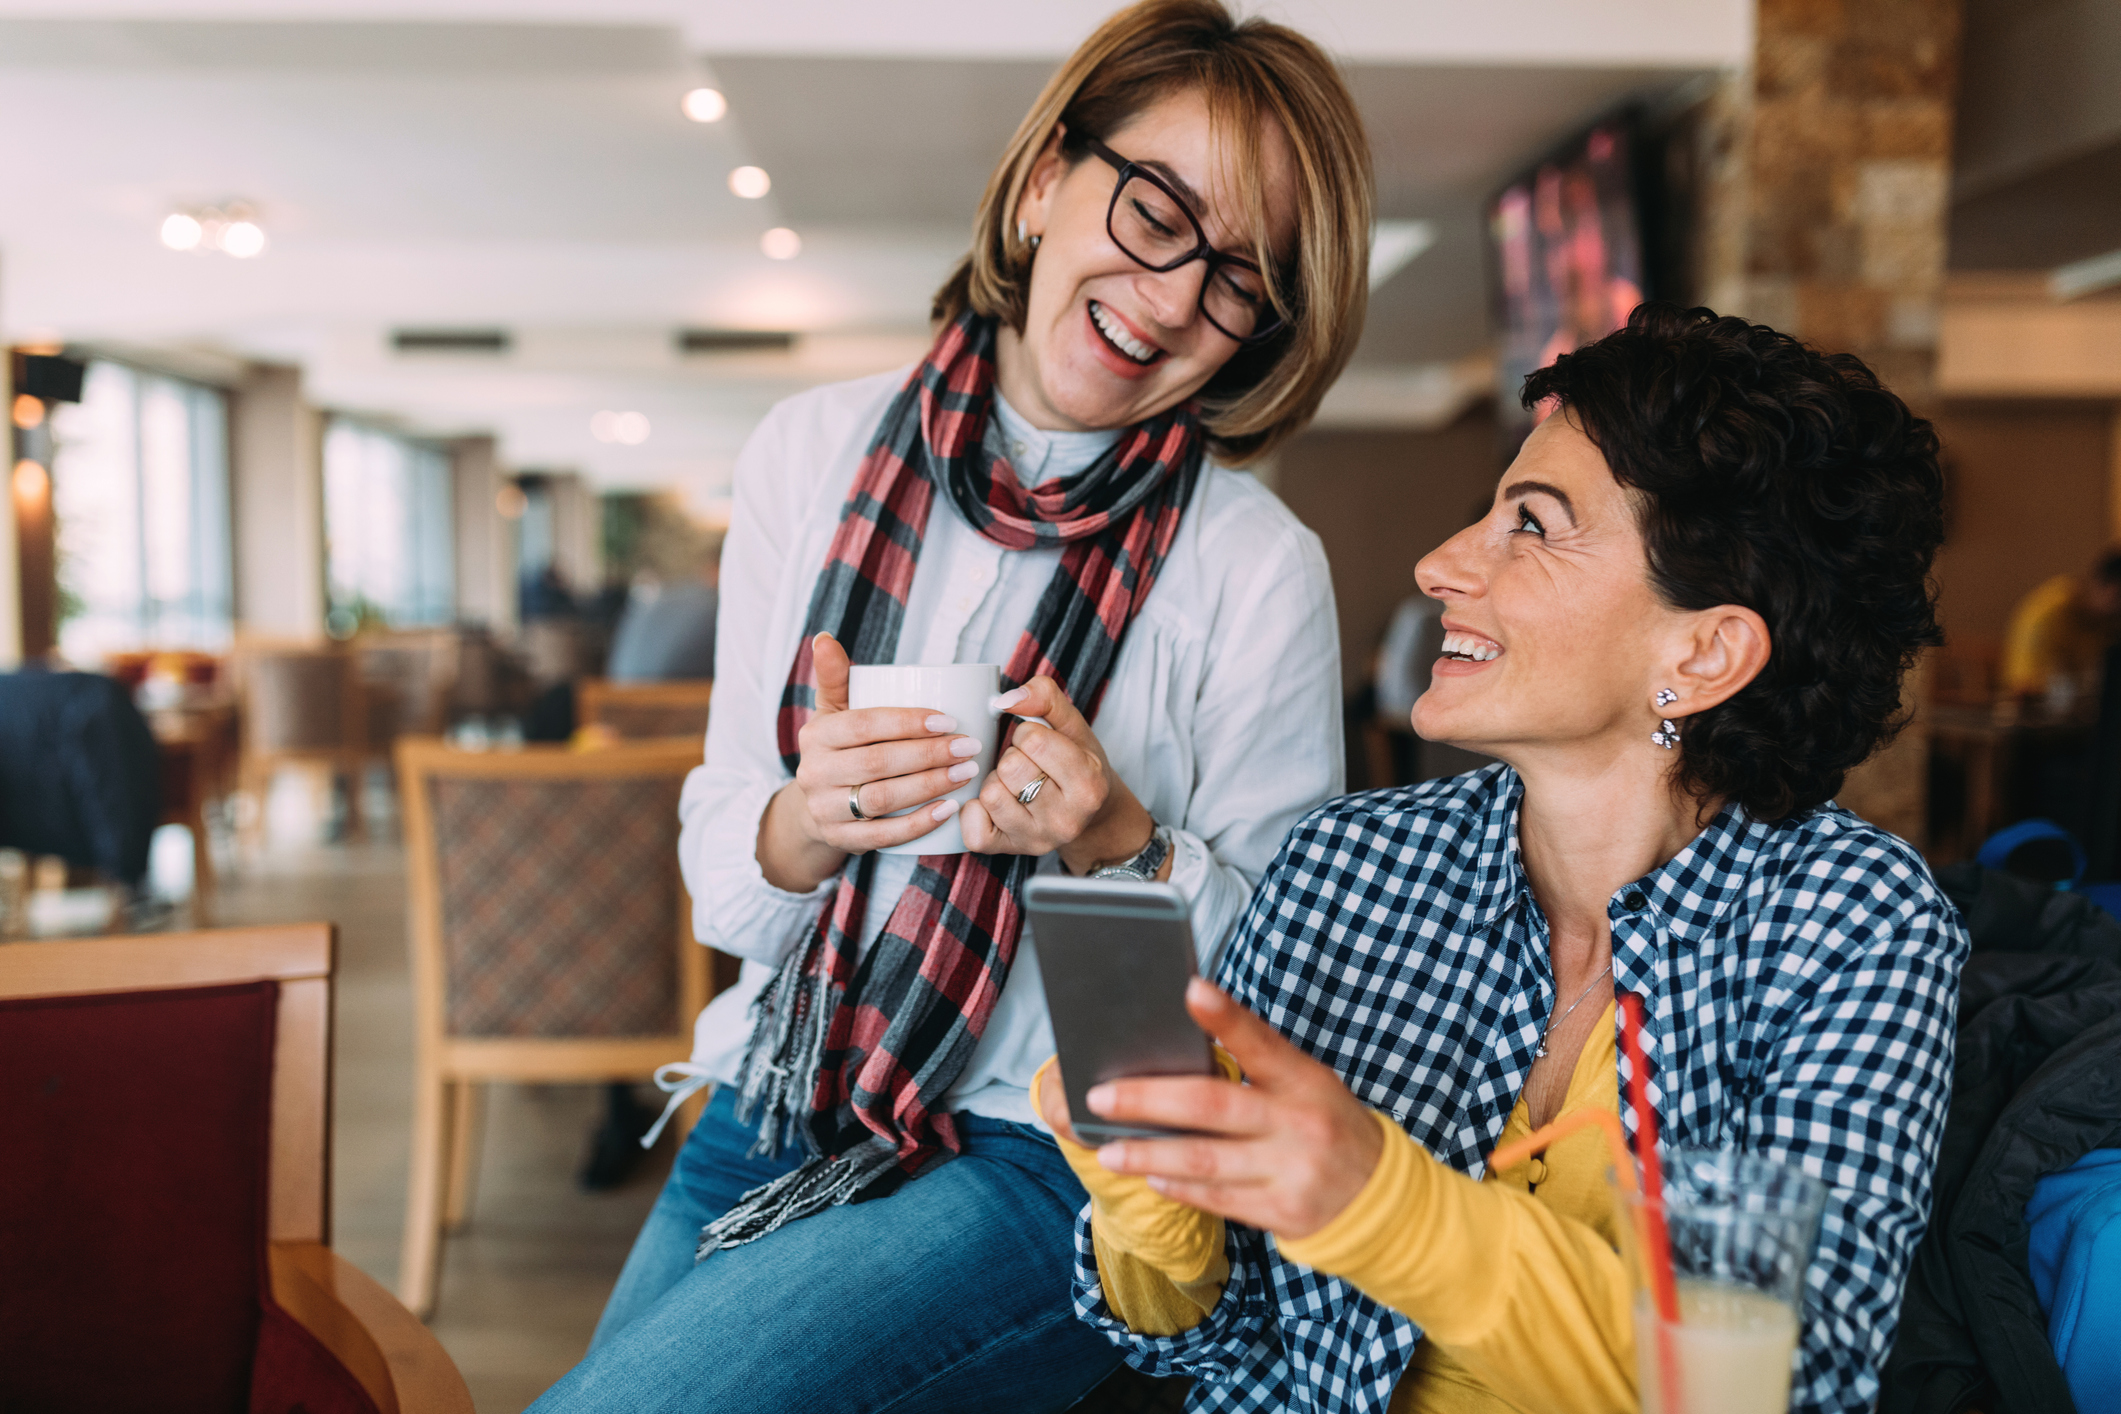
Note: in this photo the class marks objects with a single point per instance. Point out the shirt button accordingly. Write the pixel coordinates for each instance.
(980, 575)
(1017, 450)
(1635, 899)
(1535, 1172)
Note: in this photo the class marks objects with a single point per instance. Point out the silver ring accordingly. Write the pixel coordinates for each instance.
(854, 802)
(1030, 792)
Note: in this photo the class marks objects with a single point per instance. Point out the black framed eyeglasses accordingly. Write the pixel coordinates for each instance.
(1155, 228)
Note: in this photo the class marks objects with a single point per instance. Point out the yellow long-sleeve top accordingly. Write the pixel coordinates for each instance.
(1516, 1281)
(2052, 633)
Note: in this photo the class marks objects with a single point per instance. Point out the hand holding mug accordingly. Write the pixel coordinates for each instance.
(880, 759)
(1080, 807)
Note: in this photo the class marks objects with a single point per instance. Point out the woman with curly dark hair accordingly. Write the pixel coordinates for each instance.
(1686, 617)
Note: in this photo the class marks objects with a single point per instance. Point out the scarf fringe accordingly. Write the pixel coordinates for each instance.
(819, 1184)
(786, 1052)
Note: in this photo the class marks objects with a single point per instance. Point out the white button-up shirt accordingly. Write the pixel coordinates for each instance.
(1222, 712)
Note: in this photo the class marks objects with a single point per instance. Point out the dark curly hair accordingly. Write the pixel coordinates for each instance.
(1770, 475)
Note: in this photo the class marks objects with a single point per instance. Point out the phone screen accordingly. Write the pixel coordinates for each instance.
(1115, 958)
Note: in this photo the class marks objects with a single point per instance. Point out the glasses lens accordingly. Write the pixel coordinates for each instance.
(1152, 226)
(1235, 297)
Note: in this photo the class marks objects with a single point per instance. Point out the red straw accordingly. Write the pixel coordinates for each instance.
(1656, 1237)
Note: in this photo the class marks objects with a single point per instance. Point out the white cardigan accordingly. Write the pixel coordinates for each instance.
(1222, 712)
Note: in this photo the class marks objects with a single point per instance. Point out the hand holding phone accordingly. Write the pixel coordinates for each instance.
(1115, 958)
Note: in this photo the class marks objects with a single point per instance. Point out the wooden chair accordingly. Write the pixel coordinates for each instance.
(172, 1096)
(551, 941)
(301, 704)
(641, 710)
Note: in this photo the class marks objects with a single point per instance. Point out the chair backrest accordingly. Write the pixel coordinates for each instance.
(300, 699)
(164, 1112)
(546, 902)
(643, 710)
(416, 671)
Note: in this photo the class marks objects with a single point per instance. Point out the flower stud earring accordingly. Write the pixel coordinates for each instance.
(1666, 735)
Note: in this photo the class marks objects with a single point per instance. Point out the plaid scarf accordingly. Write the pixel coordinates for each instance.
(851, 1054)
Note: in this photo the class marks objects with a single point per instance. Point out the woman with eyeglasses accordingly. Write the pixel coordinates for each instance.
(1168, 270)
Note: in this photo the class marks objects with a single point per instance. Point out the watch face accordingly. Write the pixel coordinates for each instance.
(1121, 872)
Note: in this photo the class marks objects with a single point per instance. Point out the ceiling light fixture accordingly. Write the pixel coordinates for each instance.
(242, 239)
(628, 429)
(780, 243)
(29, 411)
(231, 228)
(704, 105)
(750, 183)
(181, 230)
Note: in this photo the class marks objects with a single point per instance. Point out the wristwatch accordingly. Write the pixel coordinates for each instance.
(1141, 869)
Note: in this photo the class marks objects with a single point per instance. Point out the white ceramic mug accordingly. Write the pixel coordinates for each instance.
(960, 690)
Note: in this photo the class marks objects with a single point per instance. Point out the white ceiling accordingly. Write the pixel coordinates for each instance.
(523, 164)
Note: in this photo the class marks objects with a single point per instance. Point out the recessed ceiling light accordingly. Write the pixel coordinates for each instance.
(628, 429)
(29, 411)
(181, 231)
(751, 183)
(705, 105)
(780, 243)
(242, 239)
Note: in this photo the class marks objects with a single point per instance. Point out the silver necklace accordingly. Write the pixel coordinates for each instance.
(1572, 1006)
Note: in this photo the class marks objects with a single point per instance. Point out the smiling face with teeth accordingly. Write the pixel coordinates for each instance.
(1553, 633)
(1107, 343)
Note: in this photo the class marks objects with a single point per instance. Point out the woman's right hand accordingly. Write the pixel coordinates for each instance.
(895, 756)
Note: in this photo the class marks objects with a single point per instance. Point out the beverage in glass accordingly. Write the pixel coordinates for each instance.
(1740, 1231)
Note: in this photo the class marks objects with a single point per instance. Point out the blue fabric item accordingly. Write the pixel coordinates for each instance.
(949, 1294)
(1801, 980)
(2075, 1255)
(1996, 849)
(80, 776)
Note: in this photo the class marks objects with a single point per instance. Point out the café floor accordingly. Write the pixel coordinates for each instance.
(523, 1282)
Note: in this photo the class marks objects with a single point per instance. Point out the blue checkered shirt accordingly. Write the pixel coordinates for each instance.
(1800, 982)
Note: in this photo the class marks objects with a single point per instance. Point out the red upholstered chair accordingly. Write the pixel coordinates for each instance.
(164, 1188)
(551, 941)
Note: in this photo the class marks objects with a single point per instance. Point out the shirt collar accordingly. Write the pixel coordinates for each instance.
(1037, 455)
(1684, 896)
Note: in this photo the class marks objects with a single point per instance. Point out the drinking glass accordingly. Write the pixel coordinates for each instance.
(1741, 1231)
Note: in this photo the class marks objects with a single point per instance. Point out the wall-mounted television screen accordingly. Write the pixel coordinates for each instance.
(1568, 262)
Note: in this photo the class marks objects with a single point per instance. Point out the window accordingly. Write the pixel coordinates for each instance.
(387, 529)
(140, 494)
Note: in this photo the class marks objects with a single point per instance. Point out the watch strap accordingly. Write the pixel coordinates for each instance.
(1143, 866)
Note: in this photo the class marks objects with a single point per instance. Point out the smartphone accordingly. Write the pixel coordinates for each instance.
(1115, 958)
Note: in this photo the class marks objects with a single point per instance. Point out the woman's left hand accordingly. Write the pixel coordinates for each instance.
(1286, 1152)
(1083, 809)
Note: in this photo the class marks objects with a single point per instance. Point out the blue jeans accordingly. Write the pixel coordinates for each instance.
(954, 1293)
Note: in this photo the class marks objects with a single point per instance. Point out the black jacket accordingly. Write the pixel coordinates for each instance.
(79, 773)
(2036, 1086)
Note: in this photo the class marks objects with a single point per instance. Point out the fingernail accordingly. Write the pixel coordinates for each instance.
(1113, 1155)
(941, 723)
(965, 746)
(1007, 700)
(943, 809)
(964, 770)
(1099, 1098)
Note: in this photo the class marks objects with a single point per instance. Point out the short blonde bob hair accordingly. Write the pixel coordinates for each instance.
(1249, 72)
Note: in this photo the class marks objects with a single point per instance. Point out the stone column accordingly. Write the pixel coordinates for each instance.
(277, 494)
(1825, 181)
(485, 568)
